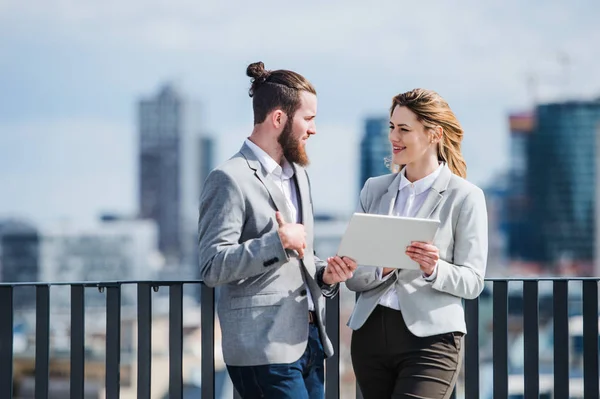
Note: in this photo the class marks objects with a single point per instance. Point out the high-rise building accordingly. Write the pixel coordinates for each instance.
(597, 231)
(520, 245)
(19, 259)
(174, 160)
(561, 181)
(374, 149)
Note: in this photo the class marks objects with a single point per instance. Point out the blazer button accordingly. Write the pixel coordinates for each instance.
(303, 292)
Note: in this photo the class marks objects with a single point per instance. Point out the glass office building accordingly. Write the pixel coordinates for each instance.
(374, 148)
(561, 180)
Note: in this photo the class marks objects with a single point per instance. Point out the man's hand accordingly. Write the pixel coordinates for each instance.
(338, 270)
(292, 235)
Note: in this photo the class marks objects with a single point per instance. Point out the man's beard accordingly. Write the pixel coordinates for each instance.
(293, 150)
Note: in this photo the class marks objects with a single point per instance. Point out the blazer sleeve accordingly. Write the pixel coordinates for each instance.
(222, 257)
(328, 291)
(365, 278)
(464, 277)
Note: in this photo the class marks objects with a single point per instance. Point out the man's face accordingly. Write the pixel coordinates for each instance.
(298, 129)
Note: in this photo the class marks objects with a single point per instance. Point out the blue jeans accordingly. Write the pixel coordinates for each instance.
(302, 379)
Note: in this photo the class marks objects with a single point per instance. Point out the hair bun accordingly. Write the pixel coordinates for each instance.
(258, 73)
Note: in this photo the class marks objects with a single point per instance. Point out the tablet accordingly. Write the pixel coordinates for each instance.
(381, 240)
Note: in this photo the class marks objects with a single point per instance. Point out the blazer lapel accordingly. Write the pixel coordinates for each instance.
(274, 192)
(386, 206)
(305, 205)
(305, 202)
(434, 195)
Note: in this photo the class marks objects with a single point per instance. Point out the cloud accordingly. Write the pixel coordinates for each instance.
(490, 47)
(351, 30)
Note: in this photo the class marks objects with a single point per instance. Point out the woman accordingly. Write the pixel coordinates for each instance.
(408, 324)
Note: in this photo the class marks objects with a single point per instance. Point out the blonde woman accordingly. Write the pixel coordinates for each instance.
(409, 324)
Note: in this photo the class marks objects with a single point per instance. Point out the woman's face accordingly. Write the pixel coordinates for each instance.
(411, 140)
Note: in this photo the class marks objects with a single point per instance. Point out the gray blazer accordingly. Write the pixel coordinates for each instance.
(430, 308)
(261, 297)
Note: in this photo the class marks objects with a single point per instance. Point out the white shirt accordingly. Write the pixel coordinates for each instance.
(282, 177)
(409, 200)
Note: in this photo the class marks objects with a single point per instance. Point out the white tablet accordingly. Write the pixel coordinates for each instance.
(381, 240)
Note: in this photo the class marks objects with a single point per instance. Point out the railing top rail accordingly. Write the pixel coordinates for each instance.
(163, 283)
(544, 278)
(103, 284)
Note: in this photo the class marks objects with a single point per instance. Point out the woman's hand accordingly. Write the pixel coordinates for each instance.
(426, 255)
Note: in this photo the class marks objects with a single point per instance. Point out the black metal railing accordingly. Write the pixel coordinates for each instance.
(145, 289)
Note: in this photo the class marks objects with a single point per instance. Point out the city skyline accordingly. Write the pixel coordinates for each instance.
(72, 75)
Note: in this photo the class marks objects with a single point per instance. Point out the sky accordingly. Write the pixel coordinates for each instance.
(72, 72)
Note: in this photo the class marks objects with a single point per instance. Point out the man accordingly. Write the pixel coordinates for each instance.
(256, 246)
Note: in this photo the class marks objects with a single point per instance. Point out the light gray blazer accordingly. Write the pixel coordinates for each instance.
(430, 308)
(261, 297)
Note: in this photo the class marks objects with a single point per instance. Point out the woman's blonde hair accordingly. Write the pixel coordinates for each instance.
(432, 111)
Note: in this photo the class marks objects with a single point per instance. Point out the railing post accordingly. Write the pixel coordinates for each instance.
(590, 340)
(6, 342)
(500, 339)
(332, 369)
(531, 338)
(207, 329)
(176, 341)
(42, 341)
(113, 341)
(472, 349)
(561, 339)
(144, 341)
(77, 369)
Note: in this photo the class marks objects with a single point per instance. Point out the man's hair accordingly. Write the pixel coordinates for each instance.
(275, 89)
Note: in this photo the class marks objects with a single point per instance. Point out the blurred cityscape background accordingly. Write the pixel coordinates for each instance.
(112, 114)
